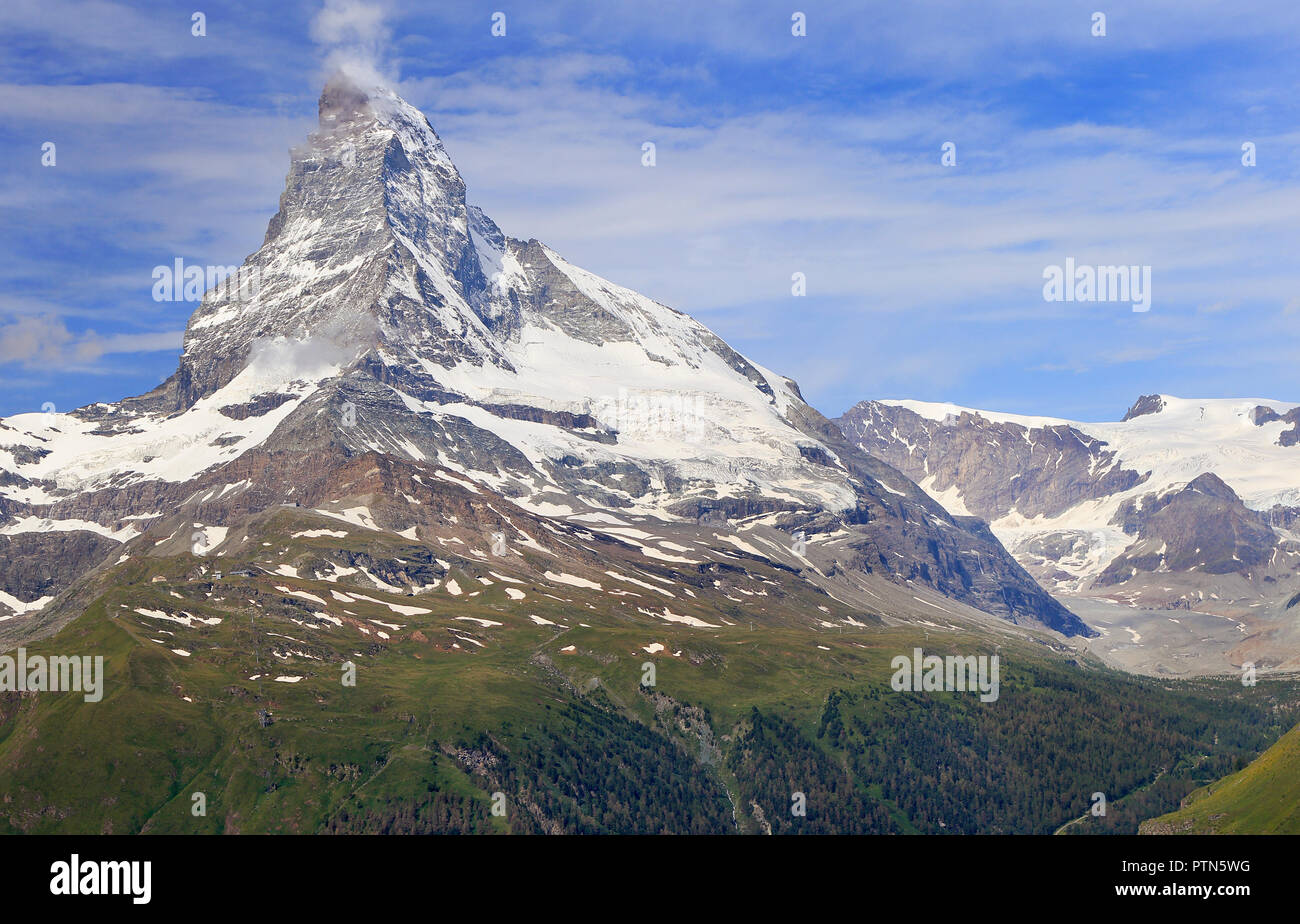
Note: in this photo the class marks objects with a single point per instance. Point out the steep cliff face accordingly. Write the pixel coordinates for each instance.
(996, 466)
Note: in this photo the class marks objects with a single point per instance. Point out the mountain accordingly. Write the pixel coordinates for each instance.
(389, 355)
(1202, 526)
(432, 532)
(1183, 504)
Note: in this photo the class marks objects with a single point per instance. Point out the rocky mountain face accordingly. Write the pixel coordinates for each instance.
(1182, 504)
(995, 466)
(391, 360)
(1201, 526)
(1262, 414)
(1147, 404)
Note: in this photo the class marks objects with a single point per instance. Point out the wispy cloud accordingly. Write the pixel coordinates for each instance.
(354, 36)
(36, 342)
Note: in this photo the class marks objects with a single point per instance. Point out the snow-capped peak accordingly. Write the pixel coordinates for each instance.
(349, 104)
(385, 316)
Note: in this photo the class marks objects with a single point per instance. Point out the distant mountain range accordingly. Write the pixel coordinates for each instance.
(1183, 504)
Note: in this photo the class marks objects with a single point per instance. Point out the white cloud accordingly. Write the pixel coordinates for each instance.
(354, 36)
(43, 341)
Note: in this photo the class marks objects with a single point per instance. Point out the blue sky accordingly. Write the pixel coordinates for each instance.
(775, 154)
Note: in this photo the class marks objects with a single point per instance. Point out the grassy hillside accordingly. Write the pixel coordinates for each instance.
(541, 700)
(1263, 798)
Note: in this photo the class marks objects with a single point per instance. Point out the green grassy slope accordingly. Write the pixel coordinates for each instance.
(1263, 798)
(541, 700)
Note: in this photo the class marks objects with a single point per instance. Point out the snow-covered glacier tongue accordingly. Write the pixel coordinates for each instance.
(386, 321)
